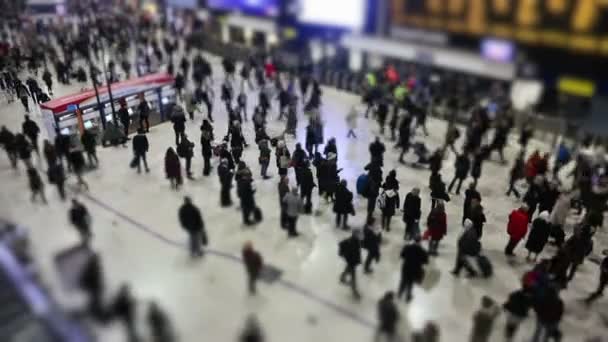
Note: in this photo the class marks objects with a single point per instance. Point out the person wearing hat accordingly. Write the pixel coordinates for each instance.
(192, 222)
(603, 280)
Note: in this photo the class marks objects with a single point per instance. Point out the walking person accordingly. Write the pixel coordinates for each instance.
(307, 184)
(293, 205)
(246, 194)
(462, 166)
(539, 235)
(549, 310)
(468, 245)
(56, 175)
(437, 227)
(185, 150)
(140, 149)
(351, 122)
(36, 185)
(124, 116)
(62, 148)
(343, 205)
(254, 263)
(173, 169)
(603, 281)
(483, 320)
(438, 190)
(516, 173)
(123, 306)
(178, 118)
(283, 188)
(350, 250)
(7, 140)
(89, 142)
(389, 203)
(144, 113)
(516, 308)
(31, 130)
(517, 228)
(191, 221)
(225, 175)
(411, 214)
(24, 150)
(388, 317)
(81, 220)
(414, 258)
(76, 159)
(472, 199)
(264, 157)
(372, 237)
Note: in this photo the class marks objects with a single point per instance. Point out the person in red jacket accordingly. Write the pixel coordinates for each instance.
(517, 228)
(532, 164)
(437, 227)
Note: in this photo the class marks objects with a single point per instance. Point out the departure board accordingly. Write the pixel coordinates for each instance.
(580, 25)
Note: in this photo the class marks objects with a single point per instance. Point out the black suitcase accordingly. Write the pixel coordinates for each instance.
(485, 266)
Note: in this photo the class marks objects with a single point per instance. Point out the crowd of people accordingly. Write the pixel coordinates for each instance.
(398, 102)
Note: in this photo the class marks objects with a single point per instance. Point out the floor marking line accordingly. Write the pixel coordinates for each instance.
(306, 293)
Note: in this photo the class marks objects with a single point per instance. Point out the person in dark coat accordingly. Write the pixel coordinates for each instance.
(192, 222)
(225, 175)
(89, 142)
(48, 150)
(343, 205)
(578, 246)
(388, 317)
(331, 147)
(123, 307)
(476, 167)
(516, 173)
(462, 166)
(144, 113)
(36, 185)
(472, 197)
(533, 195)
(381, 115)
(539, 235)
(478, 217)
(31, 130)
(549, 310)
(92, 282)
(405, 132)
(390, 202)
(376, 151)
(468, 245)
(207, 149)
(516, 308)
(7, 140)
(372, 238)
(264, 157)
(185, 149)
(62, 147)
(391, 182)
(411, 214)
(246, 194)
(412, 269)
(77, 161)
(483, 320)
(24, 150)
(81, 220)
(603, 281)
(56, 176)
(350, 250)
(178, 118)
(124, 117)
(173, 169)
(254, 263)
(438, 190)
(160, 326)
(548, 196)
(140, 149)
(307, 184)
(298, 160)
(237, 140)
(283, 189)
(371, 192)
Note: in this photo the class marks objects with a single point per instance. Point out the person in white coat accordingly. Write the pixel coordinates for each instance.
(559, 215)
(351, 122)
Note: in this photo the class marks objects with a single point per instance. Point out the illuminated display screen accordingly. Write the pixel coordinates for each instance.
(268, 8)
(580, 25)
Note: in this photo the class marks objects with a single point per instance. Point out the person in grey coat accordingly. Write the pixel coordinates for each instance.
(293, 206)
(483, 320)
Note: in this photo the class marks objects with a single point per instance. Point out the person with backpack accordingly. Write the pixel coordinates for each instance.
(350, 250)
(412, 269)
(191, 221)
(517, 228)
(254, 263)
(140, 149)
(437, 227)
(462, 166)
(388, 202)
(372, 238)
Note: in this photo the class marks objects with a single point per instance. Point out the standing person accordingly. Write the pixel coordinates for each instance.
(307, 184)
(254, 263)
(283, 188)
(472, 198)
(31, 130)
(178, 118)
(372, 238)
(124, 117)
(140, 148)
(371, 192)
(48, 80)
(81, 220)
(144, 113)
(36, 184)
(173, 169)
(343, 205)
(437, 227)
(381, 114)
(283, 158)
(298, 160)
(23, 94)
(438, 191)
(483, 320)
(207, 149)
(412, 270)
(388, 317)
(517, 228)
(517, 173)
(351, 122)
(478, 159)
(89, 142)
(7, 140)
(62, 147)
(264, 157)
(468, 245)
(123, 307)
(516, 308)
(549, 311)
(192, 222)
(411, 214)
(539, 235)
(389, 201)
(462, 166)
(185, 149)
(405, 133)
(376, 151)
(293, 206)
(225, 175)
(602, 283)
(350, 250)
(56, 176)
(246, 194)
